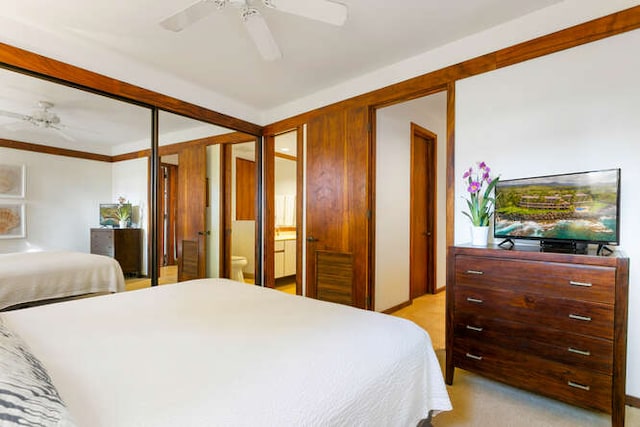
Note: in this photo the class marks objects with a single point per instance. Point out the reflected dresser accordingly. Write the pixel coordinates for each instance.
(123, 244)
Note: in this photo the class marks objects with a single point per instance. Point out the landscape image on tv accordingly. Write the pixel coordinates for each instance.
(578, 206)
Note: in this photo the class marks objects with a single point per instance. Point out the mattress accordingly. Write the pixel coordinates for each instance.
(35, 276)
(214, 352)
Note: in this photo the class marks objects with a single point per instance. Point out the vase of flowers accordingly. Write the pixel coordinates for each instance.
(123, 212)
(480, 202)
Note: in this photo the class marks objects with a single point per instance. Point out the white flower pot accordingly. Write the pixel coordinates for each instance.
(123, 223)
(479, 235)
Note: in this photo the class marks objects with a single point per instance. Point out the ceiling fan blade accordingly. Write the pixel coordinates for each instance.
(260, 34)
(190, 15)
(63, 134)
(13, 115)
(318, 10)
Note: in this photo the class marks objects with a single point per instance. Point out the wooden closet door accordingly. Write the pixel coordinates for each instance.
(191, 213)
(338, 208)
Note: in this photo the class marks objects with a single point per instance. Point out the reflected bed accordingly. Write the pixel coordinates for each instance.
(217, 352)
(27, 277)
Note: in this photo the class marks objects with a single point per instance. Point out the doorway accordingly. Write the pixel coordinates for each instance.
(403, 256)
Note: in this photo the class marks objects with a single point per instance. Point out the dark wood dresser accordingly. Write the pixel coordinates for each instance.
(123, 244)
(554, 324)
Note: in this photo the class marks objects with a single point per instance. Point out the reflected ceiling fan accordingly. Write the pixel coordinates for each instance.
(40, 118)
(320, 10)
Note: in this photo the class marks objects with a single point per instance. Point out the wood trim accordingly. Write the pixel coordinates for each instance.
(226, 155)
(269, 212)
(227, 138)
(45, 149)
(52, 69)
(398, 307)
(451, 162)
(286, 156)
(633, 401)
(596, 29)
(300, 194)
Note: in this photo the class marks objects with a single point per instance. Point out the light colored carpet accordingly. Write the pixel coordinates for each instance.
(480, 402)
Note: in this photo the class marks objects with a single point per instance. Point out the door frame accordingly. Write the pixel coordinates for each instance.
(430, 165)
(269, 211)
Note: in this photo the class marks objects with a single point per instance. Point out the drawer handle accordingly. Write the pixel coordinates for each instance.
(474, 328)
(474, 272)
(475, 300)
(585, 284)
(473, 356)
(580, 352)
(578, 317)
(580, 386)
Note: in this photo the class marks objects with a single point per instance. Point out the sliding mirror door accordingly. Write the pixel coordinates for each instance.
(77, 152)
(196, 193)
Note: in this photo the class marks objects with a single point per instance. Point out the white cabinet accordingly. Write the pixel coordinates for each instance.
(285, 258)
(289, 257)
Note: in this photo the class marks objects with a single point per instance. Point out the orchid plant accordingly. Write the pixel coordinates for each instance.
(480, 202)
(123, 210)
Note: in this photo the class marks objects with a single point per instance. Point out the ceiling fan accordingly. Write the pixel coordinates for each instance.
(320, 10)
(40, 118)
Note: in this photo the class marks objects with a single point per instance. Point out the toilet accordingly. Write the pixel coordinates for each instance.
(237, 264)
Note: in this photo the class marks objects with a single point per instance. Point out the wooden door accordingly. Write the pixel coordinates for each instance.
(167, 214)
(423, 210)
(191, 213)
(338, 207)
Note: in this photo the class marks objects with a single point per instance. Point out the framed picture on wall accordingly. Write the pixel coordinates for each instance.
(12, 220)
(12, 181)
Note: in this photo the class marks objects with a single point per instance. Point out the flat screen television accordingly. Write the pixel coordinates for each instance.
(109, 214)
(561, 211)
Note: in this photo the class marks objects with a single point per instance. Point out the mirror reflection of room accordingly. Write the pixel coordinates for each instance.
(243, 226)
(200, 233)
(285, 183)
(83, 162)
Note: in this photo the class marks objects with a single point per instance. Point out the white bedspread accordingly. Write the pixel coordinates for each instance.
(215, 352)
(35, 276)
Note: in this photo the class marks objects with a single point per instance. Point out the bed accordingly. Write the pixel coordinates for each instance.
(214, 352)
(26, 277)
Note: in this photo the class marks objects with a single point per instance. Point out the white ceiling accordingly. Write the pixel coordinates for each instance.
(217, 54)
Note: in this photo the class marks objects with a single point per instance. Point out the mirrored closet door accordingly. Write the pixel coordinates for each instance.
(199, 232)
(85, 158)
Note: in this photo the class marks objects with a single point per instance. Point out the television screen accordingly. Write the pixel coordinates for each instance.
(578, 207)
(110, 214)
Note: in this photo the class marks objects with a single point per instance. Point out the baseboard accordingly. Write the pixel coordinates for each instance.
(633, 401)
(398, 307)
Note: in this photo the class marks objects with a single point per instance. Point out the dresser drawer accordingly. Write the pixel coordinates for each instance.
(586, 318)
(557, 380)
(102, 242)
(576, 281)
(577, 350)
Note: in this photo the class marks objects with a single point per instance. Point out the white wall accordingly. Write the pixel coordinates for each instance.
(392, 204)
(213, 212)
(130, 180)
(571, 111)
(62, 199)
(243, 235)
